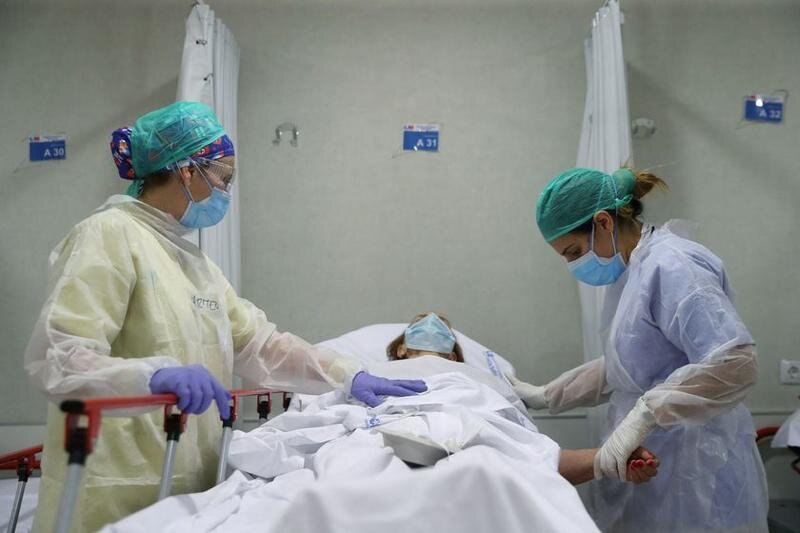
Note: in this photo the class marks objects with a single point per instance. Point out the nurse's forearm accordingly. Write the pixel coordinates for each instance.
(286, 362)
(583, 386)
(700, 391)
(66, 367)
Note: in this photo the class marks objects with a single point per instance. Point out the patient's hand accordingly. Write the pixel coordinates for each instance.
(642, 466)
(577, 466)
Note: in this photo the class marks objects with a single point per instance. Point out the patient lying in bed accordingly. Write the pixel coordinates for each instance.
(577, 466)
(324, 465)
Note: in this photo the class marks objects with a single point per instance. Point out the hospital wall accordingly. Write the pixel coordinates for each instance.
(346, 229)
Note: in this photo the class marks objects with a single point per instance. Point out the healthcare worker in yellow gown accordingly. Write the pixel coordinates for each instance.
(134, 309)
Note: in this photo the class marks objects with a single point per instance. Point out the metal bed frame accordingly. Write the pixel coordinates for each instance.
(82, 427)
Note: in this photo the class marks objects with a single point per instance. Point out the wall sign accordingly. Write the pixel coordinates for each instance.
(421, 137)
(47, 147)
(764, 108)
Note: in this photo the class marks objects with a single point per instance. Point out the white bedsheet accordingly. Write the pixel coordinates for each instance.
(789, 433)
(332, 472)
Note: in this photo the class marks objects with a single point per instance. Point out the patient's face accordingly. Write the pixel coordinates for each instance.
(403, 352)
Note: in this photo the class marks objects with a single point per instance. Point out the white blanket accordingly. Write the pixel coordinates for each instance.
(332, 471)
(789, 433)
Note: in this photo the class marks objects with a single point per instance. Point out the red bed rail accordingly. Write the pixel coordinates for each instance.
(26, 459)
(89, 412)
(82, 427)
(765, 432)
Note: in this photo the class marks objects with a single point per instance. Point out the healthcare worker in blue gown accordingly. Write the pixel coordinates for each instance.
(677, 362)
(134, 308)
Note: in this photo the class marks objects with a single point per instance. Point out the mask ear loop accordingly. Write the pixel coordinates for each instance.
(614, 233)
(614, 239)
(176, 167)
(616, 212)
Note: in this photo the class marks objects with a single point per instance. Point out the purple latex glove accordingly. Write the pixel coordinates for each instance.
(195, 388)
(367, 388)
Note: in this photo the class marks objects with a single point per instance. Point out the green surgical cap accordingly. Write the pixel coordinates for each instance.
(171, 134)
(573, 197)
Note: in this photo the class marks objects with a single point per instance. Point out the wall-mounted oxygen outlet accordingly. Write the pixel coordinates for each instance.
(790, 372)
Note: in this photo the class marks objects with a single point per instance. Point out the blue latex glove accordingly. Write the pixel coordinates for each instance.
(195, 387)
(367, 387)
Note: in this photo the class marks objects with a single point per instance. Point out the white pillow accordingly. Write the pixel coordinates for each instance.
(368, 344)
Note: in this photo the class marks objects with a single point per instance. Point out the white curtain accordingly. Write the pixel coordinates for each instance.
(605, 145)
(210, 74)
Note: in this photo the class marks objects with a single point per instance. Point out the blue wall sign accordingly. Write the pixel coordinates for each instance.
(763, 108)
(421, 137)
(45, 148)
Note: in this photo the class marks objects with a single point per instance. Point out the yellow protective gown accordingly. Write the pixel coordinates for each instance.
(128, 296)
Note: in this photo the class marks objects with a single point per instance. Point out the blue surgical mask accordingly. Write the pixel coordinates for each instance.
(595, 270)
(208, 212)
(430, 334)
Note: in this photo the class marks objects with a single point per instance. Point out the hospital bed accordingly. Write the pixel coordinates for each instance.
(82, 427)
(784, 513)
(24, 462)
(83, 419)
(366, 344)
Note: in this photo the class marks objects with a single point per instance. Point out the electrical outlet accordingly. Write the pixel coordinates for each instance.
(790, 372)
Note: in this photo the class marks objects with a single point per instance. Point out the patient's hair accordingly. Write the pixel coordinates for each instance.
(391, 350)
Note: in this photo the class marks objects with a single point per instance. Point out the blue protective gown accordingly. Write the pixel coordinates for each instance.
(673, 319)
